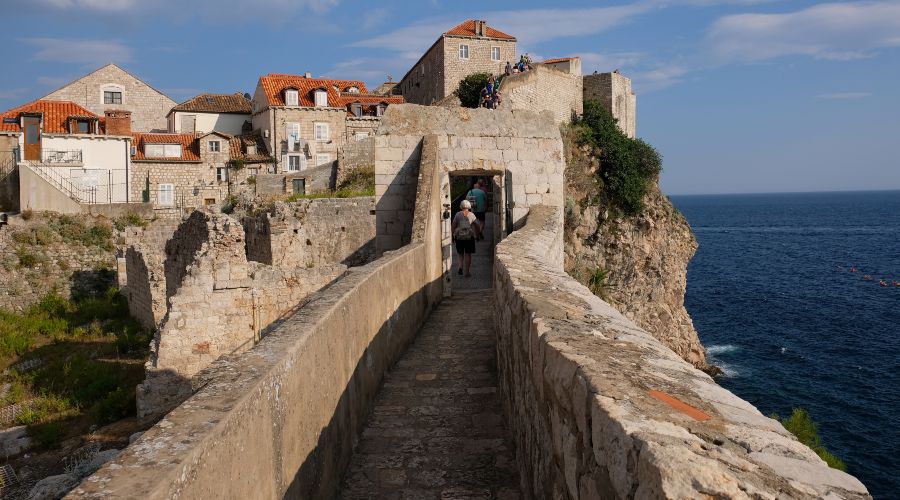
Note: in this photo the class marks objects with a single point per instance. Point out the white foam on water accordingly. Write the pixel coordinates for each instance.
(715, 350)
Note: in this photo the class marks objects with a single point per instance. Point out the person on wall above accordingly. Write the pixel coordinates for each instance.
(463, 229)
(508, 70)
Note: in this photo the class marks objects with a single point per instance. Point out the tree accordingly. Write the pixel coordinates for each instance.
(469, 89)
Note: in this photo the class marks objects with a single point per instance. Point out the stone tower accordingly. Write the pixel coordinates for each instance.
(613, 90)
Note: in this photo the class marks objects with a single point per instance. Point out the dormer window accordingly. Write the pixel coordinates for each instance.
(356, 109)
(291, 97)
(353, 89)
(379, 110)
(162, 150)
(321, 97)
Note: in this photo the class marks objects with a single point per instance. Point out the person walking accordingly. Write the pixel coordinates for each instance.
(508, 70)
(478, 200)
(463, 230)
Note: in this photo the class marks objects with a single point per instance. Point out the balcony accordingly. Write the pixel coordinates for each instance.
(59, 157)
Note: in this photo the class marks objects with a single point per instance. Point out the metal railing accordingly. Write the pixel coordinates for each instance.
(102, 192)
(53, 156)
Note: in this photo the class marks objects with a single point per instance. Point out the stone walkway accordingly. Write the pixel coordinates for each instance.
(437, 430)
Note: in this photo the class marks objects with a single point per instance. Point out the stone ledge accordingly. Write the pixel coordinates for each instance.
(576, 378)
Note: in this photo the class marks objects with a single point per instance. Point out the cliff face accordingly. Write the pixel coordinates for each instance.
(636, 263)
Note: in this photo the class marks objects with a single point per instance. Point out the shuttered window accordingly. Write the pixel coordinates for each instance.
(166, 194)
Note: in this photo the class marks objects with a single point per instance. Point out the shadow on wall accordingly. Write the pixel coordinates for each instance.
(321, 474)
(181, 248)
(394, 210)
(92, 283)
(361, 256)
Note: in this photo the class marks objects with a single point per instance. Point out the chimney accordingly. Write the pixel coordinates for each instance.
(480, 27)
(118, 122)
(307, 75)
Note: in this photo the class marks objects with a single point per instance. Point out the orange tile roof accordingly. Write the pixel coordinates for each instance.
(55, 114)
(216, 103)
(240, 143)
(368, 101)
(558, 59)
(190, 146)
(275, 84)
(467, 28)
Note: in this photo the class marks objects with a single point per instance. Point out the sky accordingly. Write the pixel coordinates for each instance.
(737, 95)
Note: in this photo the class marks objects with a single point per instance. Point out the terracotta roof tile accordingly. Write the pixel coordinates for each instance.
(216, 103)
(240, 143)
(558, 59)
(190, 146)
(275, 84)
(467, 28)
(55, 114)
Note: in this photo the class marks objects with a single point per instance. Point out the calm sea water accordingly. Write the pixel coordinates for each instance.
(775, 303)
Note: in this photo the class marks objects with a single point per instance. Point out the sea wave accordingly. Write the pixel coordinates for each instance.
(715, 350)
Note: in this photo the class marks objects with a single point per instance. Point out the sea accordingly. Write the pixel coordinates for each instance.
(797, 298)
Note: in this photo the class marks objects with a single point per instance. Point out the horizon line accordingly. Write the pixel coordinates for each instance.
(786, 192)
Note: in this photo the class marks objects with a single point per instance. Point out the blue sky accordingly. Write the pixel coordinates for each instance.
(738, 95)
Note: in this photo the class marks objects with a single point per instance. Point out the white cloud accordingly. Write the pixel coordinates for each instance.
(837, 31)
(373, 71)
(374, 18)
(83, 52)
(657, 78)
(844, 95)
(97, 5)
(240, 11)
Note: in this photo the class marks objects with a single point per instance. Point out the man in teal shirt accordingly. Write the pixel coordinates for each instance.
(478, 198)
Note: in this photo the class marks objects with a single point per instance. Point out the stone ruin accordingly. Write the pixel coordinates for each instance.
(212, 290)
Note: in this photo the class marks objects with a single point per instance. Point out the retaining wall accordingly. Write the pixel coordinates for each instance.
(600, 409)
(545, 88)
(280, 420)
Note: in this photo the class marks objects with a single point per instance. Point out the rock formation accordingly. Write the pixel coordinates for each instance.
(638, 263)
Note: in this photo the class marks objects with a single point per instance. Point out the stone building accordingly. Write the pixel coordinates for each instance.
(113, 88)
(226, 113)
(305, 121)
(471, 47)
(613, 90)
(180, 172)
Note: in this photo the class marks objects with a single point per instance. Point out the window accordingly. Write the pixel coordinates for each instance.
(166, 194)
(495, 53)
(463, 51)
(361, 135)
(162, 150)
(214, 146)
(84, 127)
(299, 186)
(321, 98)
(221, 174)
(353, 89)
(356, 109)
(379, 110)
(323, 133)
(252, 172)
(209, 201)
(292, 131)
(291, 97)
(322, 158)
(295, 163)
(112, 97)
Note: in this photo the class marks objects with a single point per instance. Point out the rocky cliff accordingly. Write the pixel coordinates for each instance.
(636, 263)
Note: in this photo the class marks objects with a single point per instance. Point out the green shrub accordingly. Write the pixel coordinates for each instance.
(116, 405)
(27, 214)
(597, 282)
(628, 167)
(49, 434)
(469, 89)
(131, 219)
(44, 408)
(27, 258)
(801, 425)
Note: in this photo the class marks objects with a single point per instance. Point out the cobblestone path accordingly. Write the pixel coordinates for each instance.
(437, 430)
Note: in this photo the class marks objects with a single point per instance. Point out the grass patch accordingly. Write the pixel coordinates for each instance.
(801, 425)
(358, 182)
(91, 356)
(131, 219)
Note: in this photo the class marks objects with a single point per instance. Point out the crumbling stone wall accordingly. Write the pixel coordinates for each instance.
(545, 88)
(309, 233)
(219, 303)
(600, 409)
(355, 155)
(144, 270)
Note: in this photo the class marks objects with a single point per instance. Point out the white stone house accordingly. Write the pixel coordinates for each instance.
(305, 121)
(226, 113)
(68, 156)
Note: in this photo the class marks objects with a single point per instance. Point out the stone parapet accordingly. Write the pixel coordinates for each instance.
(601, 409)
(545, 88)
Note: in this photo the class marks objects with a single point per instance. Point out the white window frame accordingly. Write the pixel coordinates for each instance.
(322, 131)
(162, 150)
(322, 158)
(222, 174)
(291, 97)
(291, 167)
(361, 135)
(321, 98)
(495, 49)
(166, 195)
(215, 146)
(292, 138)
(463, 51)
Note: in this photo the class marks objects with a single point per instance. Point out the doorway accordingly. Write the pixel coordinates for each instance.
(490, 222)
(32, 125)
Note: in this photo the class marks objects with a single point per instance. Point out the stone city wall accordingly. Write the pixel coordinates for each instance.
(355, 155)
(522, 146)
(600, 409)
(545, 88)
(218, 303)
(143, 273)
(317, 179)
(281, 420)
(309, 233)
